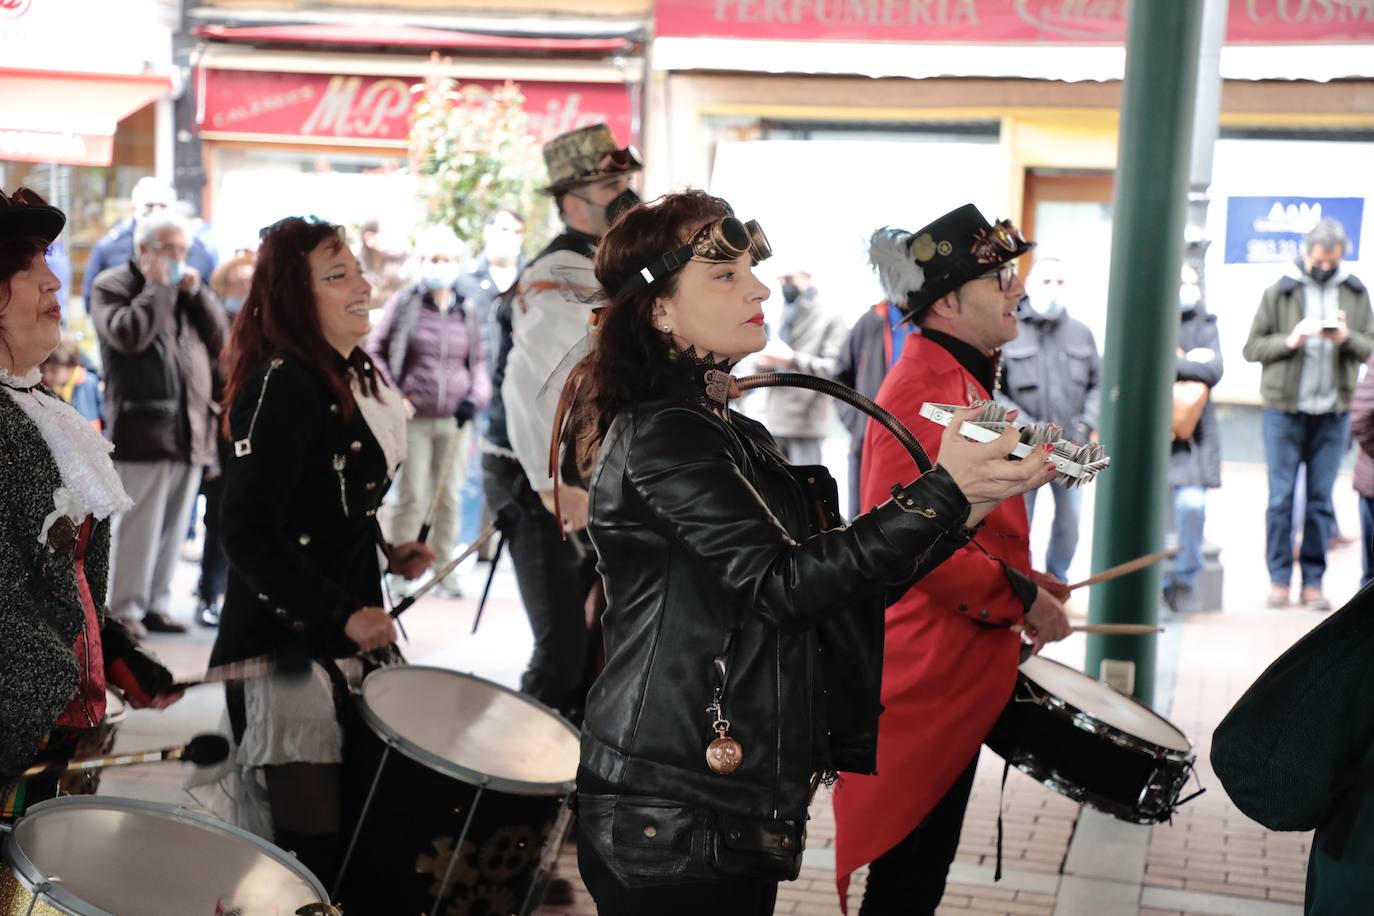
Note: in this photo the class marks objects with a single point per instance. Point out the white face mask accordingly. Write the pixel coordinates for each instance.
(439, 276)
(1189, 295)
(1045, 307)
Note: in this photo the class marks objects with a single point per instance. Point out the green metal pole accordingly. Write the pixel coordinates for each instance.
(1148, 214)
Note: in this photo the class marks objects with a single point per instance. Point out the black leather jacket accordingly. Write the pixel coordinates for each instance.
(700, 525)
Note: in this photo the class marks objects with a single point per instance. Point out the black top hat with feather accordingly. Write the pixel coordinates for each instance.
(917, 268)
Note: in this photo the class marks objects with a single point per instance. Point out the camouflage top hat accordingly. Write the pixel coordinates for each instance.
(919, 267)
(584, 155)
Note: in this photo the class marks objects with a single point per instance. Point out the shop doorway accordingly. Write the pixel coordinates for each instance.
(1069, 215)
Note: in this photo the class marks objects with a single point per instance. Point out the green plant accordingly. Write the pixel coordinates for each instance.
(473, 151)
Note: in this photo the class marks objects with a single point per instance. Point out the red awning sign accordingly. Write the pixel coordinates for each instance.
(997, 21)
(315, 106)
(69, 118)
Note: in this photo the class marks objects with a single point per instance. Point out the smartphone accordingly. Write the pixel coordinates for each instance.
(1331, 324)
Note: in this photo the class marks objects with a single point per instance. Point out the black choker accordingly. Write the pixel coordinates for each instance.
(709, 374)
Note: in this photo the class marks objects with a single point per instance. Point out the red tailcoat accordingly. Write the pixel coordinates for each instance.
(945, 677)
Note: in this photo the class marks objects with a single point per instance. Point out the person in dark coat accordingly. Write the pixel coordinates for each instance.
(743, 622)
(1362, 430)
(150, 198)
(1195, 462)
(161, 330)
(317, 437)
(1051, 373)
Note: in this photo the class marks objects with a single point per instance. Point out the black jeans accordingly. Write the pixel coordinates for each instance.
(738, 897)
(553, 587)
(909, 879)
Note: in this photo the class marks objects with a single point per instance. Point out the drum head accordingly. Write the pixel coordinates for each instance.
(1104, 704)
(120, 856)
(472, 729)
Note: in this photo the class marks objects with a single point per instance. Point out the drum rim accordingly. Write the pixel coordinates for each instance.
(1118, 735)
(26, 869)
(393, 739)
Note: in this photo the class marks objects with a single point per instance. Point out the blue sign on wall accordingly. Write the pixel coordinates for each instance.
(1263, 230)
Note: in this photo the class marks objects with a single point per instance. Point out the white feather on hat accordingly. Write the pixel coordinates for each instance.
(889, 251)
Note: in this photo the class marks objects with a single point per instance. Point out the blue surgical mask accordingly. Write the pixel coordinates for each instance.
(232, 304)
(176, 271)
(439, 276)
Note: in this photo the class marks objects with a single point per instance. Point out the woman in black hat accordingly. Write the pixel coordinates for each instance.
(743, 639)
(58, 490)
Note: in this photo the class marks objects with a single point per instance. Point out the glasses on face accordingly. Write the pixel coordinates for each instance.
(176, 251)
(615, 161)
(1004, 275)
(1003, 236)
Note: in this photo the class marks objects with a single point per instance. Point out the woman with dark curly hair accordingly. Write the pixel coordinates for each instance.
(59, 647)
(744, 623)
(317, 436)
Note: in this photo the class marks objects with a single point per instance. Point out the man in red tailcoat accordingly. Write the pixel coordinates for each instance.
(951, 656)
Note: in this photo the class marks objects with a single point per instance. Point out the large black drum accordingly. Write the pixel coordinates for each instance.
(1099, 747)
(456, 793)
(94, 856)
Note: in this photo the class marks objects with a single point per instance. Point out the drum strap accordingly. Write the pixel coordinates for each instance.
(1351, 786)
(1001, 795)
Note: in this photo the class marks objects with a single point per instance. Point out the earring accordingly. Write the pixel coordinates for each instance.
(663, 328)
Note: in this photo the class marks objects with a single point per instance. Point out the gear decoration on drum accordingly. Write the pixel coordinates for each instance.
(1076, 463)
(465, 872)
(486, 900)
(507, 852)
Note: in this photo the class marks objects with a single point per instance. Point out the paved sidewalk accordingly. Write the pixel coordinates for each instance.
(1211, 860)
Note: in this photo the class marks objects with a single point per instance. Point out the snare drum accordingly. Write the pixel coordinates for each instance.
(95, 856)
(1099, 747)
(457, 788)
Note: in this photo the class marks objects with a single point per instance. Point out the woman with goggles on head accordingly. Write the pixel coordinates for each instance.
(743, 624)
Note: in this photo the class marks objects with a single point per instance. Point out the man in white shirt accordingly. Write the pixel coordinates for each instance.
(541, 320)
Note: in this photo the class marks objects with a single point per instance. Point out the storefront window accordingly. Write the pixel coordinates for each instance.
(256, 186)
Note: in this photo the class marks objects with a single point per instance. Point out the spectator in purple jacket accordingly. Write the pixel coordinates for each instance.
(1362, 429)
(430, 344)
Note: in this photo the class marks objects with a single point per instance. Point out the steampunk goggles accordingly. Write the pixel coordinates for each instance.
(992, 245)
(719, 242)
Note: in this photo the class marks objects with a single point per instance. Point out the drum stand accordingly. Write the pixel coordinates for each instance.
(553, 848)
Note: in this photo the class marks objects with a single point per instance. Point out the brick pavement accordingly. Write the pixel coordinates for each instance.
(1209, 849)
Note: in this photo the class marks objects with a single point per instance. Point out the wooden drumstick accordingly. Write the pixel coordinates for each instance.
(1107, 629)
(260, 666)
(1130, 566)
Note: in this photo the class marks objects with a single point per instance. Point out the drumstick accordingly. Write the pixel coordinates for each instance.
(202, 750)
(247, 669)
(443, 571)
(1130, 566)
(261, 666)
(446, 469)
(1108, 629)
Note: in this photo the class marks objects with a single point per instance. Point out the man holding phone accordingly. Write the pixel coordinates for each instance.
(1313, 329)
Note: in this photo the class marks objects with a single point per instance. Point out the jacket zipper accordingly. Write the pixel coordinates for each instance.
(443, 361)
(777, 760)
